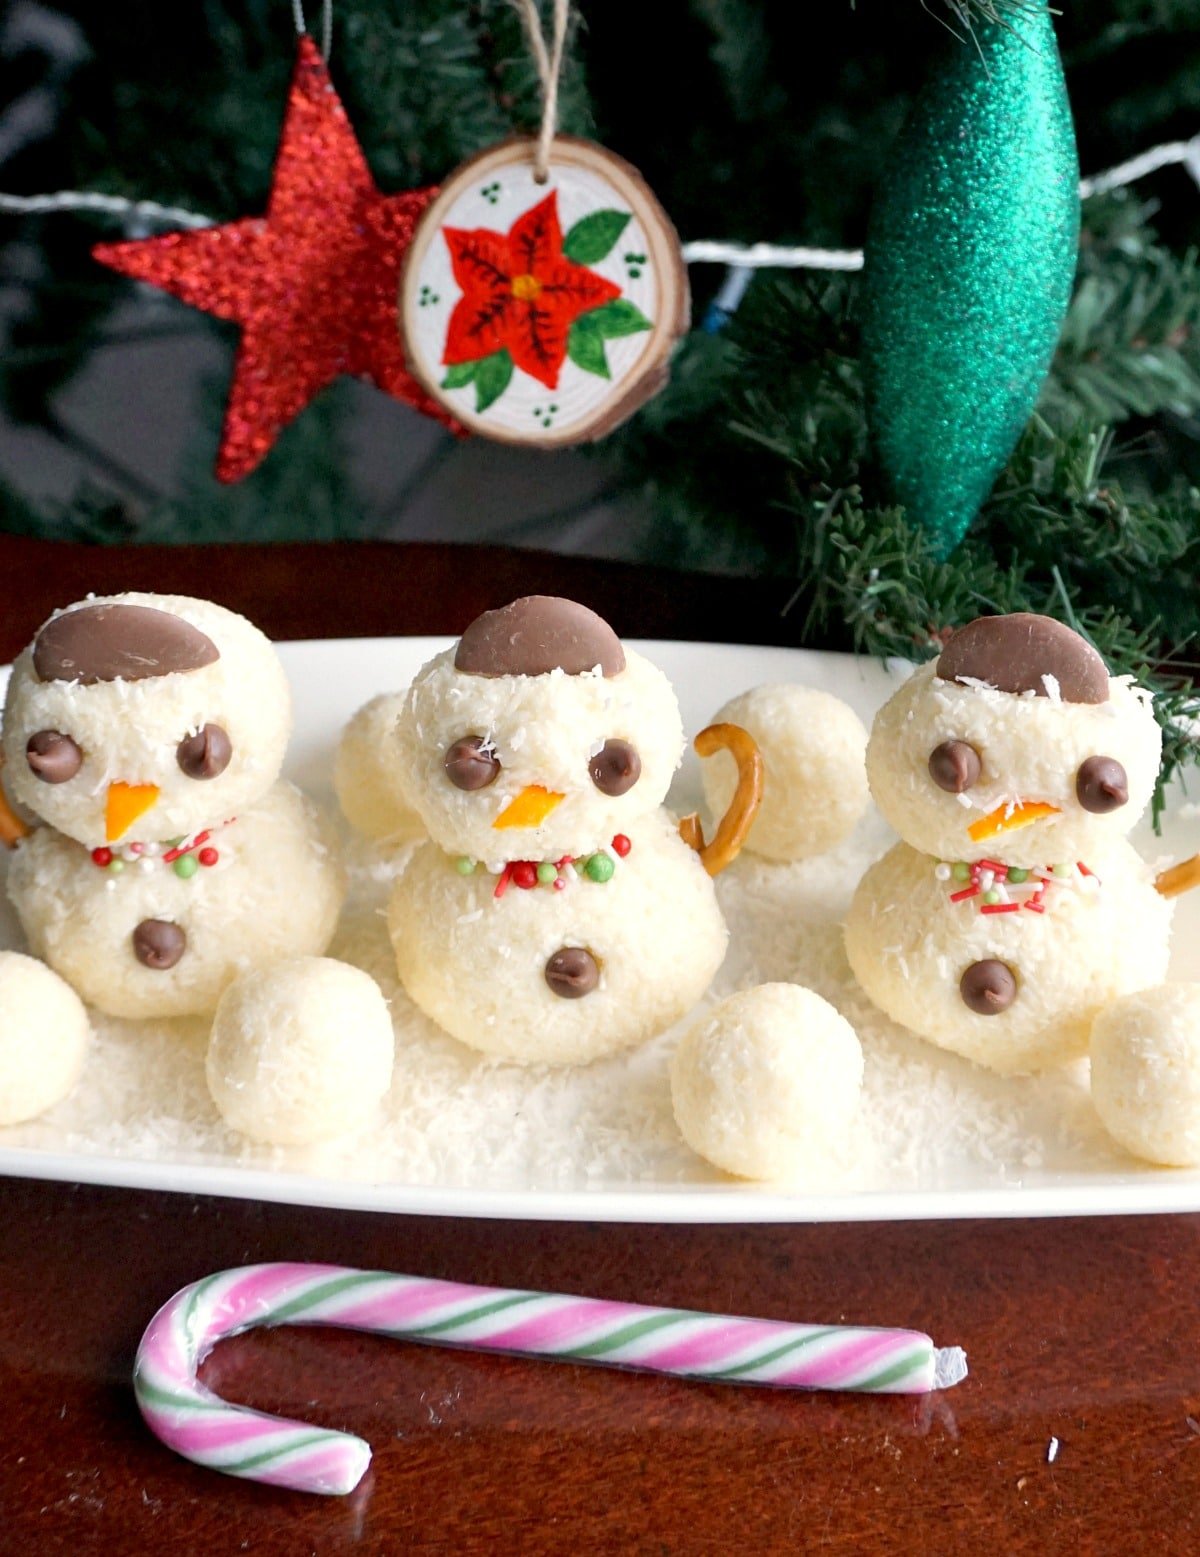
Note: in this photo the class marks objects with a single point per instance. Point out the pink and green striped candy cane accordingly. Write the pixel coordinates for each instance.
(189, 1418)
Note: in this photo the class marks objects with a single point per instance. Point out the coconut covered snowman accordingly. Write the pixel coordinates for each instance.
(147, 733)
(556, 912)
(1014, 909)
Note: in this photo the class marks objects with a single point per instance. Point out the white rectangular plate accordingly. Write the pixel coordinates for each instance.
(460, 1135)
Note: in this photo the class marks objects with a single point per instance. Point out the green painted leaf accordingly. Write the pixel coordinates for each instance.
(585, 346)
(592, 236)
(460, 374)
(491, 378)
(618, 318)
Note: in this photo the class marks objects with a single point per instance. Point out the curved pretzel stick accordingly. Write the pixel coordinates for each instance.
(731, 831)
(1179, 878)
(12, 828)
(189, 1418)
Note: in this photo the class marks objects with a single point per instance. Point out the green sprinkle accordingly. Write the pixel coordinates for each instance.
(961, 871)
(173, 843)
(186, 865)
(464, 865)
(1017, 875)
(599, 867)
(116, 865)
(547, 873)
(1062, 870)
(991, 896)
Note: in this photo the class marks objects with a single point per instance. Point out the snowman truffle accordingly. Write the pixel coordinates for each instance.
(44, 1036)
(148, 731)
(301, 1051)
(815, 783)
(768, 1080)
(1146, 1073)
(556, 914)
(1014, 909)
(366, 773)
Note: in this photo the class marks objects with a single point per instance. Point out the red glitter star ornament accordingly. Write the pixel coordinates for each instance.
(313, 284)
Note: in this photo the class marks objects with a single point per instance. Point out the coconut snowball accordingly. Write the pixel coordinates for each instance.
(1030, 749)
(1098, 937)
(366, 772)
(1146, 1073)
(815, 783)
(44, 1032)
(768, 1079)
(301, 1051)
(129, 731)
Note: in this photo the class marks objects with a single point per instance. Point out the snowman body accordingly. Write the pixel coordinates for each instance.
(555, 915)
(147, 732)
(1014, 909)
(477, 964)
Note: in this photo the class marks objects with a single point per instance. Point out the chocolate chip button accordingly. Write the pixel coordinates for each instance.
(1102, 785)
(572, 972)
(615, 768)
(988, 987)
(471, 764)
(158, 944)
(954, 766)
(53, 757)
(206, 754)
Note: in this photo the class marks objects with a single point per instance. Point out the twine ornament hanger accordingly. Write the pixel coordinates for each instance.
(549, 69)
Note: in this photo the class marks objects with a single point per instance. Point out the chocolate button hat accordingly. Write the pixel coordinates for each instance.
(538, 634)
(119, 643)
(1016, 653)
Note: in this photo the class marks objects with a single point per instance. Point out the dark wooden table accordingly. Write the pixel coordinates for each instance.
(1087, 1332)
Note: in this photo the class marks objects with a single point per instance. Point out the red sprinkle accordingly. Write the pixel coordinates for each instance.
(1000, 908)
(172, 855)
(621, 845)
(137, 848)
(1035, 906)
(502, 881)
(524, 875)
(961, 897)
(200, 838)
(560, 885)
(102, 857)
(208, 856)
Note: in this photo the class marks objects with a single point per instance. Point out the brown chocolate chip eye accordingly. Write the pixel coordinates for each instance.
(615, 768)
(471, 763)
(988, 987)
(954, 766)
(206, 754)
(1102, 785)
(53, 757)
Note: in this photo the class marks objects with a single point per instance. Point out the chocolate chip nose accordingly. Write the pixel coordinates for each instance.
(988, 987)
(572, 972)
(158, 944)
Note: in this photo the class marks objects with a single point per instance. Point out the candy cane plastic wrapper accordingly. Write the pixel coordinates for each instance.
(202, 1427)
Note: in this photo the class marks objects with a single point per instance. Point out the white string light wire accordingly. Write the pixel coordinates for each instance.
(755, 256)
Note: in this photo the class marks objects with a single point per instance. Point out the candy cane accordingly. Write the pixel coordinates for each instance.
(196, 1423)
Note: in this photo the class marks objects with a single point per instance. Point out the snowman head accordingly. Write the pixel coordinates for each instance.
(1015, 745)
(144, 717)
(537, 736)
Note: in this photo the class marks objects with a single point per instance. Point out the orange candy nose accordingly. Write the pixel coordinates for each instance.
(1005, 818)
(125, 803)
(530, 808)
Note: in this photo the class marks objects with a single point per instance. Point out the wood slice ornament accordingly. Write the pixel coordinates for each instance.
(543, 312)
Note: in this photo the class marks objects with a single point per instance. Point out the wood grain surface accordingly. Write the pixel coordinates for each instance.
(1082, 1331)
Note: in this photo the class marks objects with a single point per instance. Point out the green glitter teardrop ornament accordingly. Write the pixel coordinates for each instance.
(970, 258)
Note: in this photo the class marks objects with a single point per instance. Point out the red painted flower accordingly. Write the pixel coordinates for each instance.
(520, 293)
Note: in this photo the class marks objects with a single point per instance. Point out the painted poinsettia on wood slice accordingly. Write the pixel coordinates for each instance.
(543, 313)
